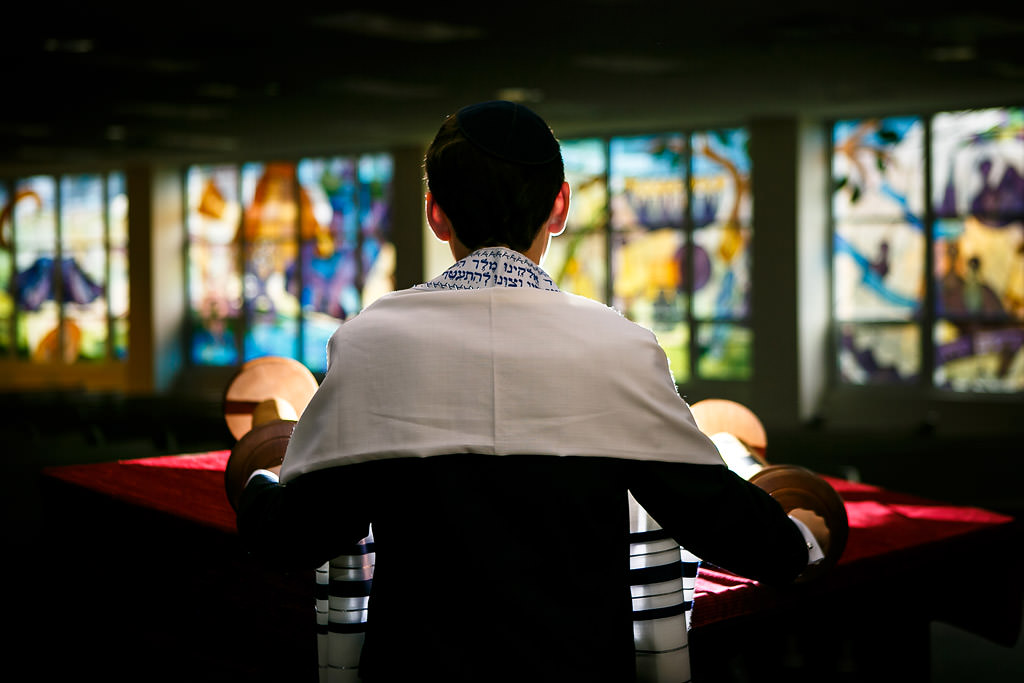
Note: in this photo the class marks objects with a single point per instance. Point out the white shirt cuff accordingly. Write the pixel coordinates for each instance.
(265, 473)
(814, 552)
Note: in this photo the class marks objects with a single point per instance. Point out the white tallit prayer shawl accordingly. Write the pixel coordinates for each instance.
(342, 601)
(482, 360)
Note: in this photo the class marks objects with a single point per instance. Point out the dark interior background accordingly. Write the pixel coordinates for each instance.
(117, 80)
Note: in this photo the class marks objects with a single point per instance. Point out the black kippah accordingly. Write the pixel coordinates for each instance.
(509, 131)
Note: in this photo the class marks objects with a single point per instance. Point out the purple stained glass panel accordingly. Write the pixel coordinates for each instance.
(85, 266)
(880, 354)
(117, 282)
(979, 357)
(978, 199)
(6, 273)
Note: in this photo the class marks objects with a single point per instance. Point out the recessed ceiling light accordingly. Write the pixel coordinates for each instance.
(520, 94)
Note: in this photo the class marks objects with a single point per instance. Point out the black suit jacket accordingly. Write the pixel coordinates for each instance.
(510, 568)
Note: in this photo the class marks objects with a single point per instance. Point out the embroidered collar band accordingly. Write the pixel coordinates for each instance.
(492, 267)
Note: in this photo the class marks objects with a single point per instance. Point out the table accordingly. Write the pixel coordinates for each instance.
(908, 561)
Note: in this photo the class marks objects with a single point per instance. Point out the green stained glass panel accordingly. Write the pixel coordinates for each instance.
(724, 351)
(674, 339)
(577, 259)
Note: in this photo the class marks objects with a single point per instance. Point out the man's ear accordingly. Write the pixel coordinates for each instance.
(559, 211)
(438, 219)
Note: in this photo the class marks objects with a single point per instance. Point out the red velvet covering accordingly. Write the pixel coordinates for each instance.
(906, 544)
(893, 537)
(189, 486)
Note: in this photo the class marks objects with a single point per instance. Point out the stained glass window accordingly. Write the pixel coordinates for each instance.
(577, 259)
(647, 190)
(978, 244)
(720, 260)
(6, 273)
(63, 268)
(283, 252)
(879, 247)
(668, 192)
(963, 326)
(36, 283)
(273, 201)
(637, 202)
(215, 284)
(117, 249)
(348, 259)
(84, 265)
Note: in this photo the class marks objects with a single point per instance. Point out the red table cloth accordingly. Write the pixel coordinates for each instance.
(893, 536)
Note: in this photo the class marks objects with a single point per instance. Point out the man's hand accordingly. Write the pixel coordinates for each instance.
(816, 524)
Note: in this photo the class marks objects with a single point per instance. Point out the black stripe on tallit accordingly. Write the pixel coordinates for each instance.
(663, 572)
(661, 612)
(648, 536)
(348, 589)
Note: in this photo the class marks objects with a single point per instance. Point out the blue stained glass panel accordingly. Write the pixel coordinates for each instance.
(376, 172)
(272, 202)
(878, 170)
(878, 270)
(878, 201)
(213, 219)
(84, 266)
(724, 351)
(331, 284)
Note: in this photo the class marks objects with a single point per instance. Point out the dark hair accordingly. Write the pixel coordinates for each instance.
(490, 201)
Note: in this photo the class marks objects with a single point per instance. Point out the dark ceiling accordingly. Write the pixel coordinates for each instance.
(188, 80)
